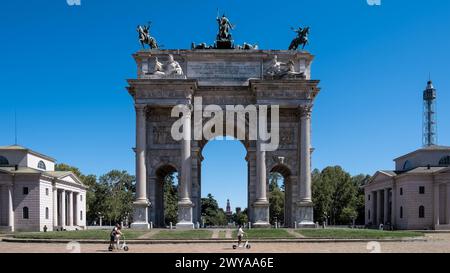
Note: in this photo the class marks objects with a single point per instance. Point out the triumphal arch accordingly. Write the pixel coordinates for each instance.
(221, 75)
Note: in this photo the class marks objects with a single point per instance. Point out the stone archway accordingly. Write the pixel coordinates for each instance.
(157, 188)
(289, 180)
(222, 78)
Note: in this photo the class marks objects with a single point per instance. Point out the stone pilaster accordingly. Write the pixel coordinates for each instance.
(140, 218)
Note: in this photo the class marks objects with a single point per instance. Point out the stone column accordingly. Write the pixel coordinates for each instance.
(261, 205)
(185, 205)
(373, 211)
(386, 206)
(305, 215)
(394, 205)
(55, 207)
(10, 208)
(141, 204)
(63, 208)
(448, 204)
(70, 214)
(436, 205)
(378, 220)
(75, 208)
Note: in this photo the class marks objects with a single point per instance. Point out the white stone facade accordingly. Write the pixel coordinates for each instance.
(32, 193)
(414, 196)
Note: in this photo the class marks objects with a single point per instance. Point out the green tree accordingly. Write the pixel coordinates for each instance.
(276, 198)
(240, 218)
(118, 186)
(170, 199)
(214, 216)
(349, 214)
(359, 181)
(333, 190)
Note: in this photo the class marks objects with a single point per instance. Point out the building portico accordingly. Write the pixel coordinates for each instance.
(35, 197)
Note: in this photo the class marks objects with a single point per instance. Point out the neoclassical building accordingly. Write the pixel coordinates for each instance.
(221, 77)
(34, 197)
(416, 195)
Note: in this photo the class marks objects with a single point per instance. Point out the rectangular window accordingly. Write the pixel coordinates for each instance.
(25, 190)
(46, 191)
(401, 191)
(368, 197)
(81, 215)
(421, 190)
(81, 197)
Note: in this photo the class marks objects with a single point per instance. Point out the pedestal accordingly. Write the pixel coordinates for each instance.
(140, 215)
(185, 215)
(305, 215)
(261, 214)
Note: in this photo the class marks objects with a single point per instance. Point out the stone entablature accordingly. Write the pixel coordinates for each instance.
(222, 67)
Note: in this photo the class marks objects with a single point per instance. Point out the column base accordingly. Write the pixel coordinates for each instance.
(142, 225)
(140, 215)
(305, 215)
(185, 214)
(261, 214)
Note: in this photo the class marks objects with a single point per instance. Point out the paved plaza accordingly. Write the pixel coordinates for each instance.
(436, 243)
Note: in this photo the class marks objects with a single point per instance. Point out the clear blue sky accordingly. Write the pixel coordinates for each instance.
(65, 68)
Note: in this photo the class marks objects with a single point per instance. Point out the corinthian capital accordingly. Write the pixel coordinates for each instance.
(305, 110)
(140, 107)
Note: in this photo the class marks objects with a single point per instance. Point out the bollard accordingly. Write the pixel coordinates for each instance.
(295, 224)
(276, 225)
(151, 225)
(249, 225)
(170, 225)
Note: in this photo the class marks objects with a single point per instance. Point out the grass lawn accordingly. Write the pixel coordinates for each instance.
(77, 235)
(222, 234)
(356, 233)
(183, 234)
(265, 233)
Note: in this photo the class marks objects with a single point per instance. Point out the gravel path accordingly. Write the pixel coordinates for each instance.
(437, 243)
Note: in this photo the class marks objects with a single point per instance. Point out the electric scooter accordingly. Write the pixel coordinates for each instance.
(122, 246)
(246, 245)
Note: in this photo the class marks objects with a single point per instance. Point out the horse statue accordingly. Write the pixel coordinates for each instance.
(145, 38)
(301, 39)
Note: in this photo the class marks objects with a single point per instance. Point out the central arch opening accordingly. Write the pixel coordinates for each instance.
(280, 190)
(224, 176)
(166, 201)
